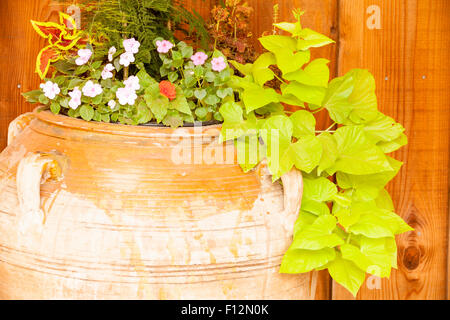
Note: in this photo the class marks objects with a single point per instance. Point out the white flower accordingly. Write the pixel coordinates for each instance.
(84, 56)
(75, 102)
(126, 96)
(132, 83)
(51, 90)
(111, 53)
(106, 73)
(112, 104)
(131, 45)
(126, 58)
(91, 89)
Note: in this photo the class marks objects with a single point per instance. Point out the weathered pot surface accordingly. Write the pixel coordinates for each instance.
(106, 211)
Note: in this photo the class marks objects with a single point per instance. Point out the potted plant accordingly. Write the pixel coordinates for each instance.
(128, 211)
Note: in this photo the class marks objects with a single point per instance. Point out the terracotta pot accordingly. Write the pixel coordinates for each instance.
(105, 211)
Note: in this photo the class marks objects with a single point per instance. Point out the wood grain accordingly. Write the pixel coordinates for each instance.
(19, 46)
(408, 57)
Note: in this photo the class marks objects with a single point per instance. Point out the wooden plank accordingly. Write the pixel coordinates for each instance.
(409, 57)
(19, 46)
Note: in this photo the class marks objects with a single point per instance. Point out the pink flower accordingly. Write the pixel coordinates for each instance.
(164, 46)
(106, 73)
(51, 90)
(131, 45)
(84, 56)
(126, 58)
(75, 102)
(92, 90)
(199, 58)
(218, 64)
(111, 53)
(132, 83)
(126, 96)
(112, 104)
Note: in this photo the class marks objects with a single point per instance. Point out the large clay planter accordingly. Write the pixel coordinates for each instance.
(105, 211)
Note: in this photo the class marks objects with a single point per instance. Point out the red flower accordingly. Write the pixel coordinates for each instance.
(168, 89)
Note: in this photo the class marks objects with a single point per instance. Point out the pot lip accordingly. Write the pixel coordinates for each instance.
(45, 115)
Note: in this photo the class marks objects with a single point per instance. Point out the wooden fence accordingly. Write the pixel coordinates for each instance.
(408, 51)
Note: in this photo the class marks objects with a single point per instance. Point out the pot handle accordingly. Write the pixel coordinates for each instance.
(18, 125)
(293, 193)
(33, 170)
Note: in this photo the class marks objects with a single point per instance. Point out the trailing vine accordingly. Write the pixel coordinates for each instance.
(347, 226)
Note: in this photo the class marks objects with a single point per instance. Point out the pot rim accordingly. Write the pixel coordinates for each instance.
(45, 115)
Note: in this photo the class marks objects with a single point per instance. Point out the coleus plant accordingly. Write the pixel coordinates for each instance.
(63, 38)
(347, 222)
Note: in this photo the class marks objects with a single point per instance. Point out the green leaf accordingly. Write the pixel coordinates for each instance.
(371, 226)
(384, 201)
(249, 152)
(173, 76)
(394, 145)
(55, 107)
(143, 113)
(312, 39)
(158, 104)
(306, 153)
(225, 92)
(304, 220)
(292, 28)
(209, 76)
(276, 133)
(351, 214)
(76, 82)
(357, 154)
(330, 151)
(32, 96)
(43, 99)
(304, 123)
(383, 128)
(289, 62)
(96, 64)
(260, 69)
(212, 99)
(173, 119)
(354, 254)
(246, 69)
(87, 112)
(320, 189)
(351, 98)
(180, 103)
(382, 254)
(300, 261)
(200, 94)
(232, 112)
(317, 208)
(316, 73)
(97, 99)
(305, 93)
(145, 80)
(347, 274)
(257, 97)
(201, 113)
(81, 69)
(273, 43)
(187, 52)
(368, 186)
(318, 235)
